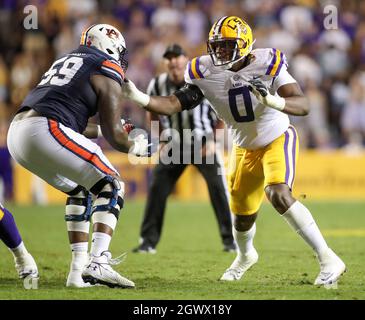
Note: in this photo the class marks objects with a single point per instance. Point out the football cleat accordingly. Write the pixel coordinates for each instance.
(99, 271)
(240, 265)
(230, 247)
(26, 266)
(144, 249)
(332, 267)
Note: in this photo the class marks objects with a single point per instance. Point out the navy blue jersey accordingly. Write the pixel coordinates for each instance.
(65, 93)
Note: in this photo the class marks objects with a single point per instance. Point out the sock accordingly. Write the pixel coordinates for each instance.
(9, 232)
(79, 255)
(244, 239)
(100, 242)
(301, 220)
(79, 247)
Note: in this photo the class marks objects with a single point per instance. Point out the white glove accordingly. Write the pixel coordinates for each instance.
(262, 94)
(131, 92)
(141, 146)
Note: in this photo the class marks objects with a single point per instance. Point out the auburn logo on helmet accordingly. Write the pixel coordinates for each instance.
(111, 32)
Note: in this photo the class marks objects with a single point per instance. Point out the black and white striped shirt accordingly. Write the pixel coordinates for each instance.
(201, 119)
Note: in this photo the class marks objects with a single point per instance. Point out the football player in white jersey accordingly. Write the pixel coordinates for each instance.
(252, 91)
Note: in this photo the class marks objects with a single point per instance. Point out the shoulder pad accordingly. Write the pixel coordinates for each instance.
(271, 60)
(198, 67)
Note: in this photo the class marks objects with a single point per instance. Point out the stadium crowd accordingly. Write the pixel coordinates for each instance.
(328, 63)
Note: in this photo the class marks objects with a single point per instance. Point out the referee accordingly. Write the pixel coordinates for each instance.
(202, 120)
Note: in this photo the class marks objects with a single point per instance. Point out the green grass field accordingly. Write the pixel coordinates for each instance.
(190, 258)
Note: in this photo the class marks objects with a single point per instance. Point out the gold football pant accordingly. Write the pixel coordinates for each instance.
(250, 171)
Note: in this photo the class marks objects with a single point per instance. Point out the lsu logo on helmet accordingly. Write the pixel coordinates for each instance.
(230, 40)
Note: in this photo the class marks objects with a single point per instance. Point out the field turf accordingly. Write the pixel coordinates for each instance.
(190, 259)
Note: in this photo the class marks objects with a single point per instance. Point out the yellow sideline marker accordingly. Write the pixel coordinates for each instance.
(344, 233)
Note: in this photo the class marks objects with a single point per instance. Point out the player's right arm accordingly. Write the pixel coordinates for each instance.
(109, 94)
(188, 97)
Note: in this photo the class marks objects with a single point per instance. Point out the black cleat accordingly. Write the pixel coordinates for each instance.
(143, 248)
(229, 247)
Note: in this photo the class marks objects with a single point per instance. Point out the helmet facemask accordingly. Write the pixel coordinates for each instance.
(225, 52)
(123, 53)
(119, 52)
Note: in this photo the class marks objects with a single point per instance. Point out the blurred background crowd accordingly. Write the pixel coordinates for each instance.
(329, 64)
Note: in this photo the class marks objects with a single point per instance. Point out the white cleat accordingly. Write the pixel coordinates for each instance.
(99, 271)
(332, 267)
(26, 266)
(240, 265)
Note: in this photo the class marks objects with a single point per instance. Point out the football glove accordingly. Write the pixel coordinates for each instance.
(131, 92)
(262, 94)
(143, 147)
(128, 126)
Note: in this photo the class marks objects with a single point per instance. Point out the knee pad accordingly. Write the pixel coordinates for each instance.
(109, 201)
(78, 210)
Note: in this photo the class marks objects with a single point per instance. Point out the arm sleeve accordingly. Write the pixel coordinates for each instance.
(189, 96)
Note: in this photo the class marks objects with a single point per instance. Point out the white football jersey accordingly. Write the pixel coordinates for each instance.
(252, 124)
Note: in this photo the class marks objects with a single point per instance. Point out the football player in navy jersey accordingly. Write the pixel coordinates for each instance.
(46, 137)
